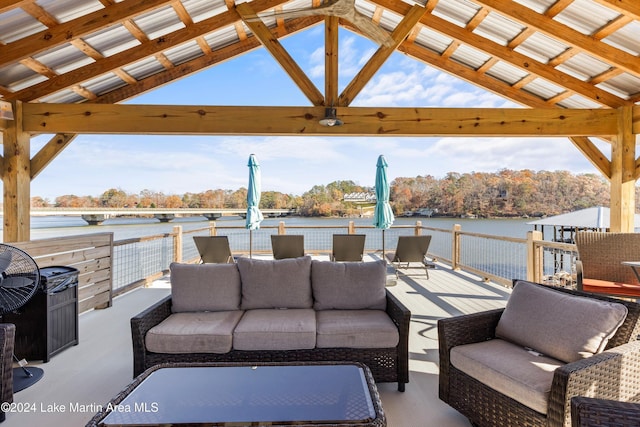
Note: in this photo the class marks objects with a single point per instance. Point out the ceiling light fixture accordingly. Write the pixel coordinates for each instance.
(330, 119)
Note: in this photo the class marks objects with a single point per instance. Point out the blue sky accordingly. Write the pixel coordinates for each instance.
(91, 164)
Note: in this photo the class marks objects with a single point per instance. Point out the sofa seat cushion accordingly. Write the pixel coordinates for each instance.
(563, 326)
(349, 285)
(204, 332)
(204, 287)
(509, 369)
(273, 329)
(356, 329)
(283, 283)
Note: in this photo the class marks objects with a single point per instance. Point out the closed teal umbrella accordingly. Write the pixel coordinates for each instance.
(383, 215)
(254, 216)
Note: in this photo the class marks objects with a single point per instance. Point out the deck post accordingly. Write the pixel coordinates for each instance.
(455, 246)
(623, 167)
(534, 257)
(177, 243)
(352, 227)
(16, 179)
(281, 228)
(418, 229)
(213, 231)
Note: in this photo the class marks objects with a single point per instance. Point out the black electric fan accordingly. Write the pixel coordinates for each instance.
(19, 281)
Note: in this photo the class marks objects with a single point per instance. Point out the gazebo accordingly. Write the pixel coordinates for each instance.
(65, 65)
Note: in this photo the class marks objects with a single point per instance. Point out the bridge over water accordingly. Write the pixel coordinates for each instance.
(95, 216)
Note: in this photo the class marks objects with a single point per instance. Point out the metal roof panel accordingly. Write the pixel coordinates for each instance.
(67, 10)
(145, 68)
(112, 40)
(458, 12)
(586, 16)
(16, 24)
(498, 28)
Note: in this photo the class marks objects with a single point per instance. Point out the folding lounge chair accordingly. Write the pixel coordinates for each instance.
(411, 249)
(348, 247)
(284, 246)
(214, 249)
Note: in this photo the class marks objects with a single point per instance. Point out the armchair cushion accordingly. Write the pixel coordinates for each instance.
(562, 326)
(284, 283)
(204, 287)
(349, 286)
(509, 369)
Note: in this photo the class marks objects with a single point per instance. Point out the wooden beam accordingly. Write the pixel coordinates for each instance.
(280, 54)
(63, 33)
(331, 61)
(49, 152)
(358, 121)
(382, 54)
(16, 178)
(623, 162)
(593, 154)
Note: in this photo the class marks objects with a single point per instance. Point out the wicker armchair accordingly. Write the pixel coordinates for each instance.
(589, 412)
(612, 374)
(7, 339)
(600, 269)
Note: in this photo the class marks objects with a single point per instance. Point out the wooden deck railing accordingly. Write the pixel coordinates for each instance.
(109, 268)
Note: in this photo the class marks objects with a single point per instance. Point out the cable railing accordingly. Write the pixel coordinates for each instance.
(140, 261)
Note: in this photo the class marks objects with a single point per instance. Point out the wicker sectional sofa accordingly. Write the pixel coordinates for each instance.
(288, 310)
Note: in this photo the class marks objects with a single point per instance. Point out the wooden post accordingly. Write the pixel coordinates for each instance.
(177, 243)
(623, 162)
(534, 257)
(281, 228)
(418, 229)
(455, 246)
(213, 231)
(16, 177)
(352, 227)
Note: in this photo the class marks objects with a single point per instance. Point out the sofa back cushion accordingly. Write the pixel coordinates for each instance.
(349, 285)
(565, 327)
(283, 283)
(204, 287)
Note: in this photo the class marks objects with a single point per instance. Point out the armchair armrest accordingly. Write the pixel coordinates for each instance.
(401, 316)
(579, 274)
(7, 342)
(459, 330)
(140, 325)
(613, 374)
(588, 412)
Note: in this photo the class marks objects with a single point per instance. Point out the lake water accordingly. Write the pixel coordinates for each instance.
(125, 228)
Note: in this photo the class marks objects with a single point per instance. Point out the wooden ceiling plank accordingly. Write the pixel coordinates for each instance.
(331, 61)
(132, 55)
(49, 152)
(126, 77)
(453, 46)
(164, 61)
(477, 19)
(383, 53)
(75, 28)
(362, 121)
(611, 27)
(40, 14)
(86, 48)
(280, 54)
(83, 92)
(135, 31)
(182, 13)
(567, 35)
(38, 67)
(556, 8)
(520, 38)
(593, 154)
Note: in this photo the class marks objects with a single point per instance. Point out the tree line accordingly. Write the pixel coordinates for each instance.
(500, 194)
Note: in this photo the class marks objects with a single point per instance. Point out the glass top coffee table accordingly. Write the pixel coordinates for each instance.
(321, 394)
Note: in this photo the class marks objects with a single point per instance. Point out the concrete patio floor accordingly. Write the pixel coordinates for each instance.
(80, 379)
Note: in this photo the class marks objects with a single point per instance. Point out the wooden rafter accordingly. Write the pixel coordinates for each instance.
(280, 54)
(571, 37)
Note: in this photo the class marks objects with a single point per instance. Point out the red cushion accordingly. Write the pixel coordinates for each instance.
(613, 288)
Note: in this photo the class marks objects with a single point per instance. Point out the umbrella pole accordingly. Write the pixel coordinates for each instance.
(383, 257)
(250, 243)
